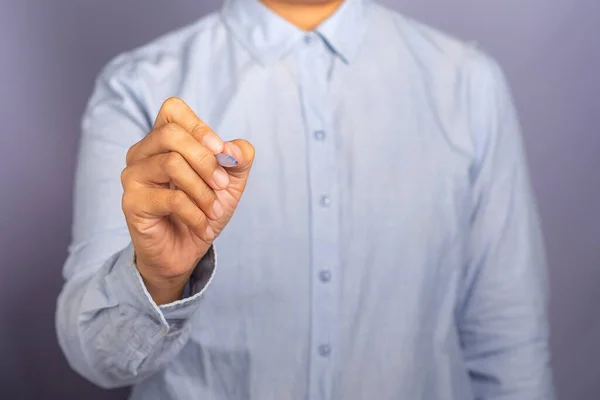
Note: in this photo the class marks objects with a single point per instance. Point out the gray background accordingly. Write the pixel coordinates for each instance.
(50, 52)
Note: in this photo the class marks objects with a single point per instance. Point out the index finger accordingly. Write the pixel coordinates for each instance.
(174, 110)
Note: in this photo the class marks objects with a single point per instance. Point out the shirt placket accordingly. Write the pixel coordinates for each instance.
(324, 205)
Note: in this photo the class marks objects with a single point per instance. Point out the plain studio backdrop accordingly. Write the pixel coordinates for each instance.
(51, 51)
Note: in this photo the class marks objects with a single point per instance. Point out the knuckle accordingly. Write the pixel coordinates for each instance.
(204, 159)
(128, 203)
(176, 198)
(125, 176)
(172, 104)
(129, 156)
(172, 161)
(172, 130)
(206, 195)
(164, 134)
(170, 135)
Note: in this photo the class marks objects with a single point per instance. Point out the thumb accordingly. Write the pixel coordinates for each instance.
(243, 152)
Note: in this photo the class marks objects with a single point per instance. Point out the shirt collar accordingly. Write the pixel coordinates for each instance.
(269, 37)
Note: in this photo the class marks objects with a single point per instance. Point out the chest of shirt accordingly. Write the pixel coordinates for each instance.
(357, 161)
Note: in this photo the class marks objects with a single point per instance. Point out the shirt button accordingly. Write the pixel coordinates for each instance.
(319, 135)
(308, 39)
(325, 201)
(325, 276)
(324, 350)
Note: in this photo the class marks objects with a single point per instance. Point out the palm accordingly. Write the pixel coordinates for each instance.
(172, 245)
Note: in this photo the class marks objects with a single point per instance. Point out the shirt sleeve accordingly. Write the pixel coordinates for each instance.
(108, 326)
(503, 311)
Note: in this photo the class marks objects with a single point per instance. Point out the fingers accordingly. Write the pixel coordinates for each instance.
(173, 138)
(151, 202)
(172, 167)
(176, 111)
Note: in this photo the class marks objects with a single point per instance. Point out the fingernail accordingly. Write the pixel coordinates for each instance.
(221, 178)
(234, 151)
(210, 234)
(217, 209)
(212, 143)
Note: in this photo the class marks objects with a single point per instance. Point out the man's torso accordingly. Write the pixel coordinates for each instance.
(340, 274)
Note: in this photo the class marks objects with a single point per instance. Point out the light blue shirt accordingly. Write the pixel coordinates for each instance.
(387, 246)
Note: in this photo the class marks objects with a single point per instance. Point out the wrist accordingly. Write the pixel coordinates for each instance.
(162, 289)
(165, 291)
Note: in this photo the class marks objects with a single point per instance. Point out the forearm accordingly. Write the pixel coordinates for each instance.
(111, 331)
(509, 358)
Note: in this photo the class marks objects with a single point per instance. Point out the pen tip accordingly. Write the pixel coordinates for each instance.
(225, 160)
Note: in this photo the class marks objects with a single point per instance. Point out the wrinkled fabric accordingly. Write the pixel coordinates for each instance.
(387, 246)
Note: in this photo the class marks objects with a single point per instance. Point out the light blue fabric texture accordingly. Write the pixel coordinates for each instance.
(387, 246)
